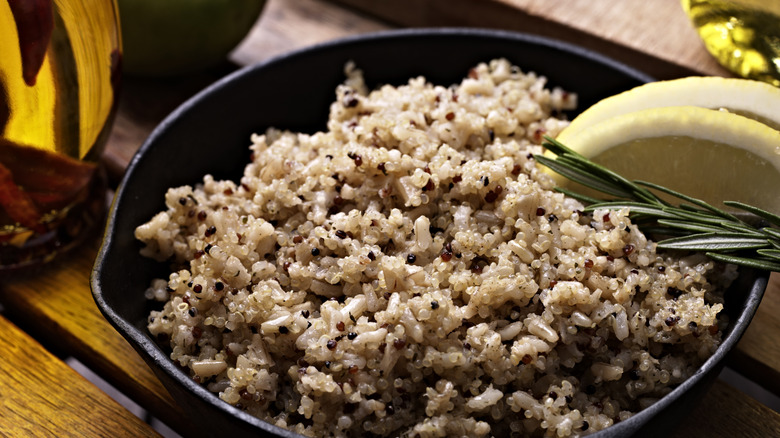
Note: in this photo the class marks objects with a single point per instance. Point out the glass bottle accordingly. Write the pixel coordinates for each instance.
(743, 35)
(60, 67)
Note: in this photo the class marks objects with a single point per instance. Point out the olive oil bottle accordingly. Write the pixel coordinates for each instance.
(743, 35)
(60, 65)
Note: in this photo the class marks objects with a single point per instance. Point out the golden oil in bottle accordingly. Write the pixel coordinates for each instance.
(60, 65)
(743, 35)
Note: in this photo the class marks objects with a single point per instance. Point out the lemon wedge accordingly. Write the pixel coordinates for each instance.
(754, 99)
(708, 154)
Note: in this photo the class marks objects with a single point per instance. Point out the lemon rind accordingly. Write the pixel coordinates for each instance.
(735, 94)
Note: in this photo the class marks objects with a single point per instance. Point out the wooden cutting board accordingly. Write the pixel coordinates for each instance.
(653, 36)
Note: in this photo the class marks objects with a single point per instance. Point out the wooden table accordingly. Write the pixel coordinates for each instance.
(50, 315)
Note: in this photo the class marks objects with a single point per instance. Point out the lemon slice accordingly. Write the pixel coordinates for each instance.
(754, 99)
(712, 155)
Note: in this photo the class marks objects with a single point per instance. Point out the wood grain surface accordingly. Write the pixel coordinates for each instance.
(55, 305)
(727, 412)
(659, 28)
(758, 355)
(41, 396)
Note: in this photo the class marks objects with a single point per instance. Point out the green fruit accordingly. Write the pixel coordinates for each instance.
(174, 37)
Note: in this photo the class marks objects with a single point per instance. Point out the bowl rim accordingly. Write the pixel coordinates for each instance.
(144, 343)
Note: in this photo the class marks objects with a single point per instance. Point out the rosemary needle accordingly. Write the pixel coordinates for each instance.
(695, 224)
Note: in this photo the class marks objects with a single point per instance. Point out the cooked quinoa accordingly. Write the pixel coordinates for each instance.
(411, 272)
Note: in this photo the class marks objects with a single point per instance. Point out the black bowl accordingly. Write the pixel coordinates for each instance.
(210, 134)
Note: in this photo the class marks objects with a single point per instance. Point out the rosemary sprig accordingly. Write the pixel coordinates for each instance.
(695, 224)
